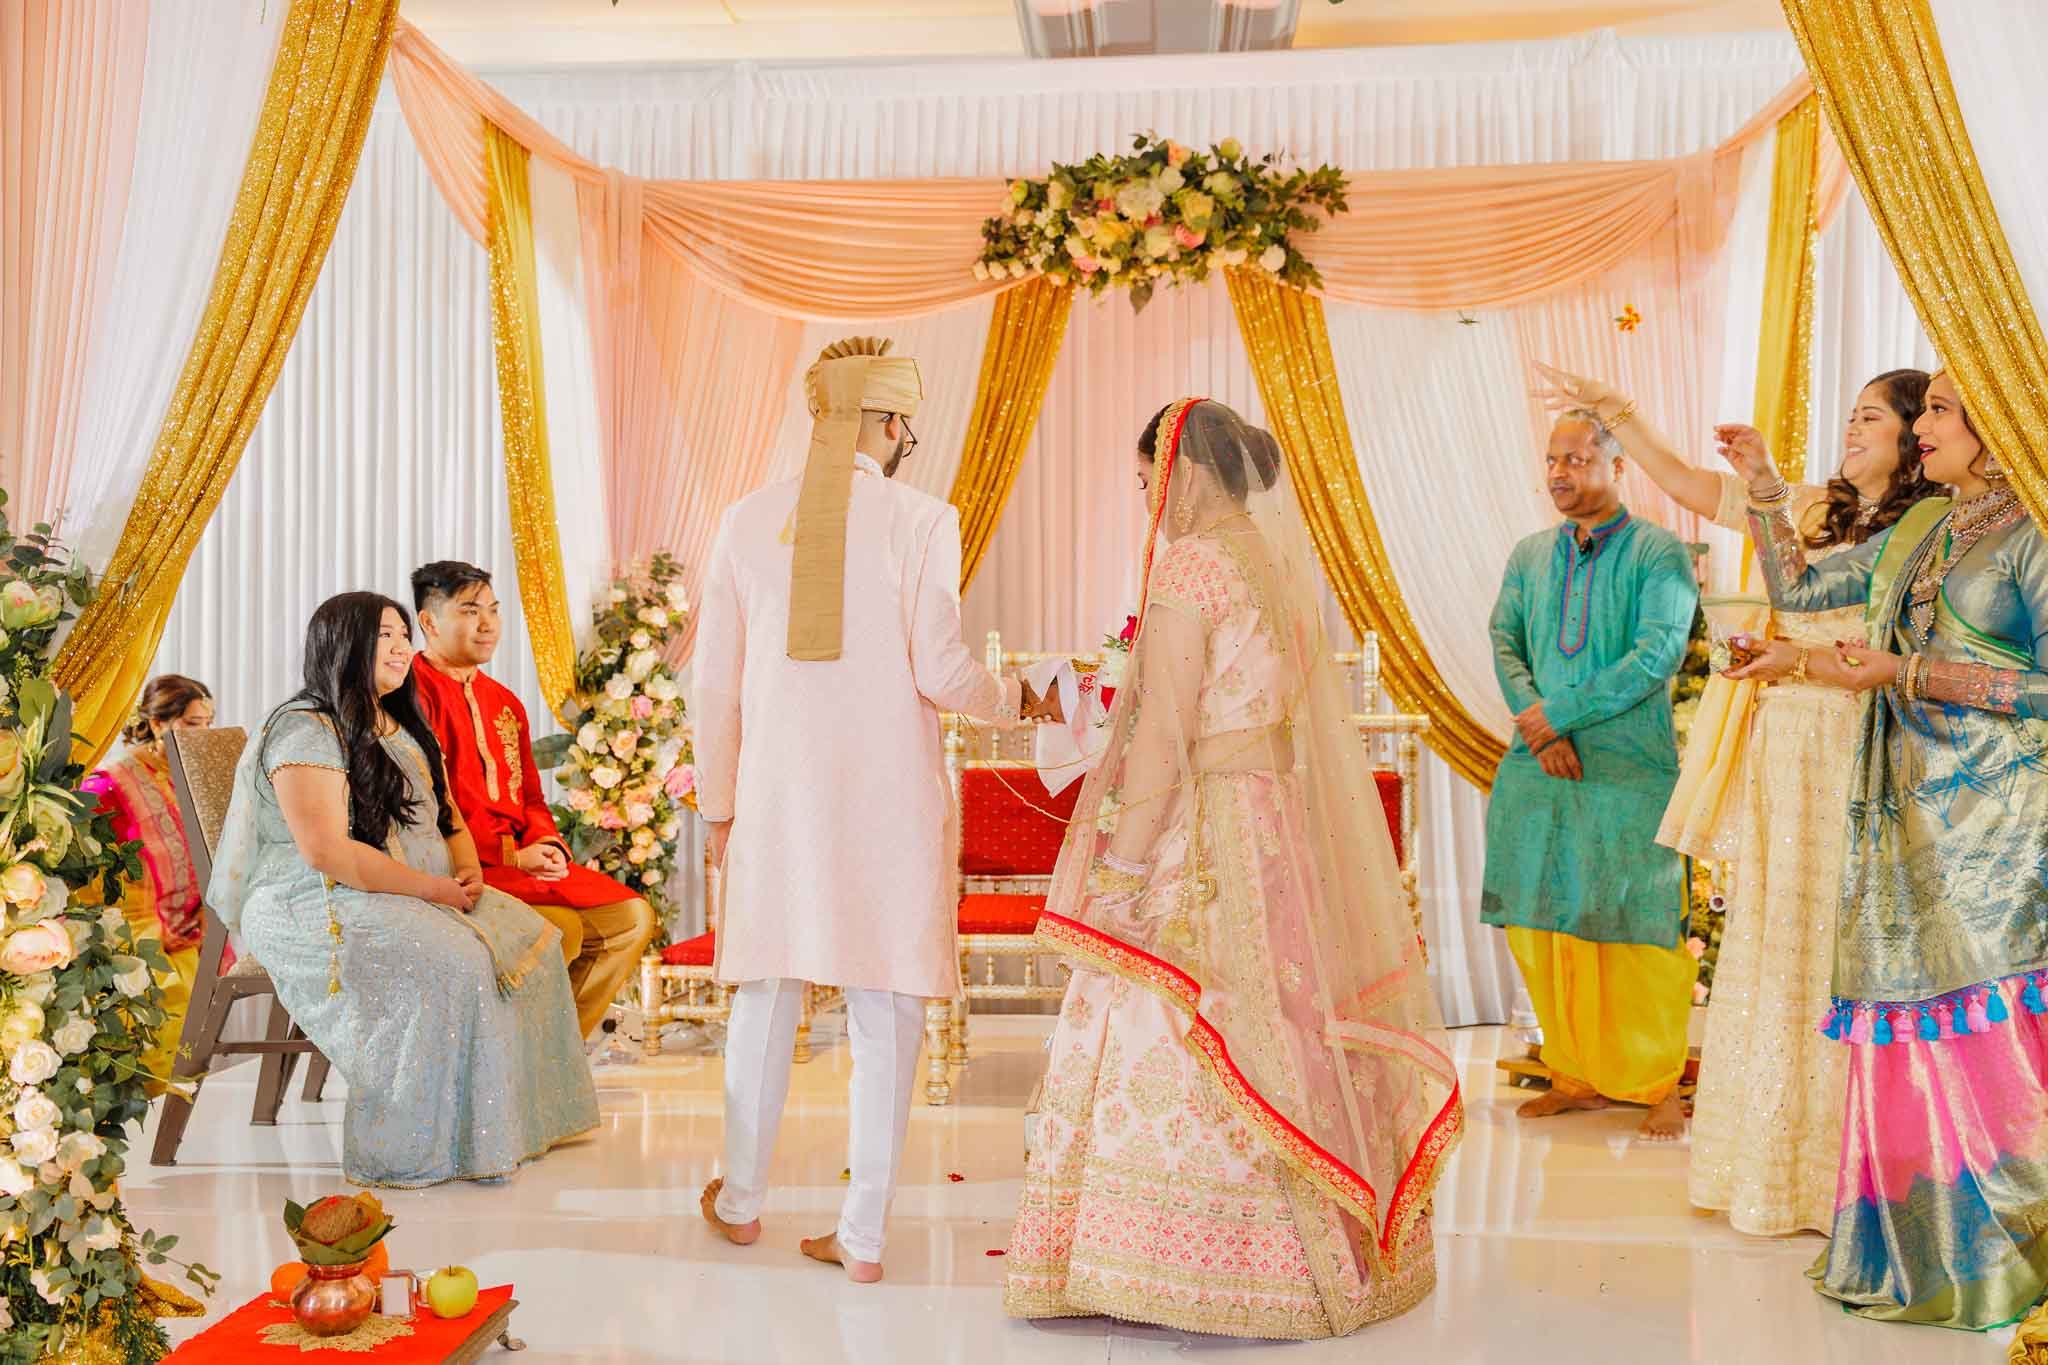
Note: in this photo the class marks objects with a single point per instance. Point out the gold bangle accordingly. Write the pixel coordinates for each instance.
(1799, 672)
(1628, 411)
(1772, 498)
(1105, 880)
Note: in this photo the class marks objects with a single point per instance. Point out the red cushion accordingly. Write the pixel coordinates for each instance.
(1009, 826)
(695, 952)
(1390, 797)
(1000, 914)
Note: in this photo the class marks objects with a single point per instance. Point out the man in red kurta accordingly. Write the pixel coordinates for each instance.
(488, 745)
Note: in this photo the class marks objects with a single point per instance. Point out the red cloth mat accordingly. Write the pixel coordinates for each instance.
(237, 1338)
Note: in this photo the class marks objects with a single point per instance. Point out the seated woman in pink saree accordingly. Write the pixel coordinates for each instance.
(1245, 1107)
(135, 790)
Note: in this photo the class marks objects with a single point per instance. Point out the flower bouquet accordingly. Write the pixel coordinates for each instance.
(1164, 213)
(79, 1005)
(625, 768)
(1116, 657)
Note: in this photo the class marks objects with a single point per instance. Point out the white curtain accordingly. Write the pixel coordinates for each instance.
(202, 90)
(1993, 49)
(381, 446)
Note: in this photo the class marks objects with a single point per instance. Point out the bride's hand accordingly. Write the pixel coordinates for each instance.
(1562, 389)
(1743, 447)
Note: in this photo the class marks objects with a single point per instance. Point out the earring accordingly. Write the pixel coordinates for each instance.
(1994, 472)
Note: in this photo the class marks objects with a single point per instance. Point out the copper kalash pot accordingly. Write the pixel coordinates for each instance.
(334, 1300)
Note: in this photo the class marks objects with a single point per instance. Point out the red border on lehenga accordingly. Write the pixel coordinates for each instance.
(1333, 1176)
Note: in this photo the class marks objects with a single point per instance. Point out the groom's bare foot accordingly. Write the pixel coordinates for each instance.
(1665, 1122)
(1554, 1102)
(739, 1234)
(826, 1249)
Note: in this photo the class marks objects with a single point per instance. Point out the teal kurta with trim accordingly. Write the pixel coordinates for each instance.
(1596, 635)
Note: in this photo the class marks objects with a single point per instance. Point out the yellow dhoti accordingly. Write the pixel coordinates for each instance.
(1613, 1014)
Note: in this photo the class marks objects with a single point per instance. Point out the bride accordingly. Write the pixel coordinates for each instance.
(1244, 1109)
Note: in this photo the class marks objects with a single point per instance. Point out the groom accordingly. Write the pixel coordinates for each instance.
(828, 642)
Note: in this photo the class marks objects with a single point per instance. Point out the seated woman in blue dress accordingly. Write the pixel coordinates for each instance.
(347, 873)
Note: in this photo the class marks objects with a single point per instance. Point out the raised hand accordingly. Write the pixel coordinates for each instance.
(1742, 446)
(1561, 389)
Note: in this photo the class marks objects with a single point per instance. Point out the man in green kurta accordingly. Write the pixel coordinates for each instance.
(1588, 633)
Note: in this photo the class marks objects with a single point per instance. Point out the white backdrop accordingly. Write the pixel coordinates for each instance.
(380, 447)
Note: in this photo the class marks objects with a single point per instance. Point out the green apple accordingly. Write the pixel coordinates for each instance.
(451, 1292)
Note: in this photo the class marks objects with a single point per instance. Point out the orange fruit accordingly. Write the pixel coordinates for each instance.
(378, 1264)
(285, 1279)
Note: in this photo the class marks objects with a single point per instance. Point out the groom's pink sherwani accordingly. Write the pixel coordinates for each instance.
(833, 772)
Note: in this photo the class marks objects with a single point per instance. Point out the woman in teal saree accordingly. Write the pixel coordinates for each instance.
(1941, 961)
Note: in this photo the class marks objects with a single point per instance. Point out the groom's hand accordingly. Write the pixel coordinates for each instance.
(1046, 708)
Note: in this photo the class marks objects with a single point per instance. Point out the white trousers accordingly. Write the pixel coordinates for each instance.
(885, 1031)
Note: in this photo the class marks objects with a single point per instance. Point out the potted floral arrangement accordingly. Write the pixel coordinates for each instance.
(79, 1004)
(1164, 213)
(625, 767)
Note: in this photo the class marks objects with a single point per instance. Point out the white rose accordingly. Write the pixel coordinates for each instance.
(624, 744)
(1170, 179)
(591, 737)
(15, 1179)
(639, 815)
(678, 599)
(78, 1148)
(41, 1280)
(1235, 256)
(1018, 270)
(666, 756)
(74, 1035)
(35, 1063)
(37, 989)
(670, 829)
(981, 270)
(56, 895)
(1273, 257)
(640, 663)
(663, 688)
(101, 1234)
(616, 596)
(23, 1022)
(606, 776)
(651, 877)
(619, 687)
(131, 976)
(641, 640)
(654, 616)
(84, 1086)
(36, 1147)
(36, 1110)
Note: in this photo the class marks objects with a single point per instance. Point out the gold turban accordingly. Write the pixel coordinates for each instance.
(850, 377)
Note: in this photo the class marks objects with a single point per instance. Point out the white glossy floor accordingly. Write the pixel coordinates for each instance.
(1558, 1241)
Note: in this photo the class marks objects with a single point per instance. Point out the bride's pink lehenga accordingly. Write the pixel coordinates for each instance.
(1244, 1109)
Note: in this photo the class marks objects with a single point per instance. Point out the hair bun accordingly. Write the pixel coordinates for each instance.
(1264, 452)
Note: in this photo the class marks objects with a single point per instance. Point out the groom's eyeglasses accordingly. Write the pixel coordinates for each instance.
(909, 436)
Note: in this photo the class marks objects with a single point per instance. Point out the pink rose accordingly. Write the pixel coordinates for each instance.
(1188, 238)
(643, 706)
(1087, 265)
(36, 948)
(1176, 155)
(681, 781)
(608, 818)
(582, 799)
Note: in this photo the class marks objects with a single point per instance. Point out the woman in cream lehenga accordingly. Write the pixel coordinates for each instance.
(1764, 788)
(1245, 1106)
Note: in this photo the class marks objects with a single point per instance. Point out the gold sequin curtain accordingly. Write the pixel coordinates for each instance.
(1784, 361)
(1885, 87)
(522, 406)
(1024, 336)
(1289, 345)
(316, 110)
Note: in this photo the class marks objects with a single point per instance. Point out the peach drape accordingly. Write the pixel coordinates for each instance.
(70, 95)
(825, 250)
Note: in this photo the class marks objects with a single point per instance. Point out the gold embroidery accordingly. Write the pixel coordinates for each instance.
(508, 739)
(483, 740)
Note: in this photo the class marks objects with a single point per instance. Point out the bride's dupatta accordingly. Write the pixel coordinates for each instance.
(1271, 914)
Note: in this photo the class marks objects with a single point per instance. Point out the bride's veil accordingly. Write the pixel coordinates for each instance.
(1271, 912)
